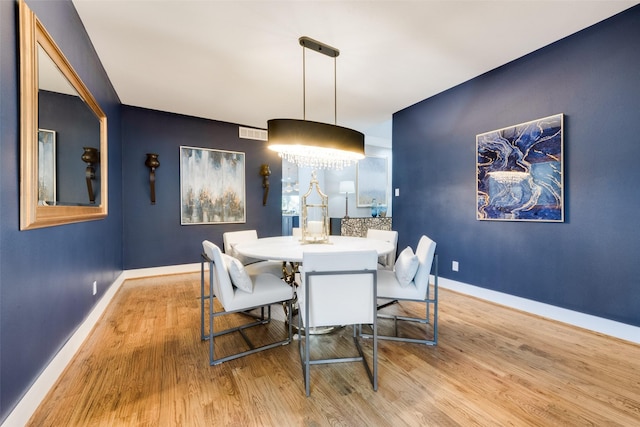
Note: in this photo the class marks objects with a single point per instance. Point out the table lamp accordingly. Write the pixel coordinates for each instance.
(347, 187)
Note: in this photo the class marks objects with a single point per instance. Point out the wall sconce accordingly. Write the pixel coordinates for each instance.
(265, 172)
(152, 163)
(347, 187)
(90, 156)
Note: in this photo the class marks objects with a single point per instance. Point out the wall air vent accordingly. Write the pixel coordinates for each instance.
(251, 133)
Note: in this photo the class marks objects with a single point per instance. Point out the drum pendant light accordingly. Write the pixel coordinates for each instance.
(313, 144)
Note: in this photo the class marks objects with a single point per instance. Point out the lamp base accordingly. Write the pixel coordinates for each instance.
(346, 206)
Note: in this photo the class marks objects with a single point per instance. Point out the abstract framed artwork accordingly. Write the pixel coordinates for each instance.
(520, 173)
(46, 167)
(212, 186)
(371, 181)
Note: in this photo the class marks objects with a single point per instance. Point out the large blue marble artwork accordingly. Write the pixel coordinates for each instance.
(520, 172)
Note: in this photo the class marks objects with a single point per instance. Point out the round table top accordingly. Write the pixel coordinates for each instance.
(289, 248)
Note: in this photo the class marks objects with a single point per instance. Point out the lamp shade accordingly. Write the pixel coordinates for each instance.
(315, 144)
(347, 187)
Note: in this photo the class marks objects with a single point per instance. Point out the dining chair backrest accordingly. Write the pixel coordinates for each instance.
(425, 252)
(222, 287)
(341, 287)
(232, 238)
(388, 236)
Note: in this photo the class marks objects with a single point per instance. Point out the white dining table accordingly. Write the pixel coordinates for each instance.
(291, 249)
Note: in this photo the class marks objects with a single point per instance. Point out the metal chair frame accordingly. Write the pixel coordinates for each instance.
(428, 301)
(260, 319)
(305, 359)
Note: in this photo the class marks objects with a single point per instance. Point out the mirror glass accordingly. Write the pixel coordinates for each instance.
(66, 125)
(60, 124)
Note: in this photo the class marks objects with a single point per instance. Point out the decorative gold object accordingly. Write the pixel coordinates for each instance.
(315, 214)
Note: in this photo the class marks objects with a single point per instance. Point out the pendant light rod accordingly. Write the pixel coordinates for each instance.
(320, 47)
(314, 144)
(304, 83)
(335, 93)
(325, 49)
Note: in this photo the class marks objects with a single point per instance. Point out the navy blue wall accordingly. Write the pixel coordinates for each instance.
(76, 126)
(46, 274)
(153, 235)
(589, 263)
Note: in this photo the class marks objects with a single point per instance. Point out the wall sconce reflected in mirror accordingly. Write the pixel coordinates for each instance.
(265, 172)
(91, 156)
(152, 163)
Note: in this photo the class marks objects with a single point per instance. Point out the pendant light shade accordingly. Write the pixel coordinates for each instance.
(313, 144)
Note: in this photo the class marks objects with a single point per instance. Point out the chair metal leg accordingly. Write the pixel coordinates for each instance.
(396, 337)
(387, 304)
(240, 329)
(203, 335)
(306, 360)
(426, 320)
(260, 319)
(372, 374)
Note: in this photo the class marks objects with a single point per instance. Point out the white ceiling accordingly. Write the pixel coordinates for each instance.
(240, 61)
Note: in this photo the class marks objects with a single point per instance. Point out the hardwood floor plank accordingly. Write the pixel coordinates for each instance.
(145, 365)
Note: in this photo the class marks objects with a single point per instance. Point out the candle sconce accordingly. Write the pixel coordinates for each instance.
(265, 172)
(90, 156)
(152, 163)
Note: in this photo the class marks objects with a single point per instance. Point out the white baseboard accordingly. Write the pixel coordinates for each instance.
(39, 389)
(47, 379)
(586, 321)
(37, 392)
(165, 270)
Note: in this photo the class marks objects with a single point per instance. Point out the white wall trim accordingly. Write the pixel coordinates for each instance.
(47, 379)
(161, 271)
(581, 320)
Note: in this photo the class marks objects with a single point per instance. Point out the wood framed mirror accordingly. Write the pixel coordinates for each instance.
(60, 121)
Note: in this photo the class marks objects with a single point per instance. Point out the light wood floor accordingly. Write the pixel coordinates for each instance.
(144, 365)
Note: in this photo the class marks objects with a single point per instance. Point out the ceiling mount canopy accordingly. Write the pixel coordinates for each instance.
(314, 144)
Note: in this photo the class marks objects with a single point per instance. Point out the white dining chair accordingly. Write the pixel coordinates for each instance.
(236, 291)
(386, 261)
(253, 265)
(410, 281)
(339, 288)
